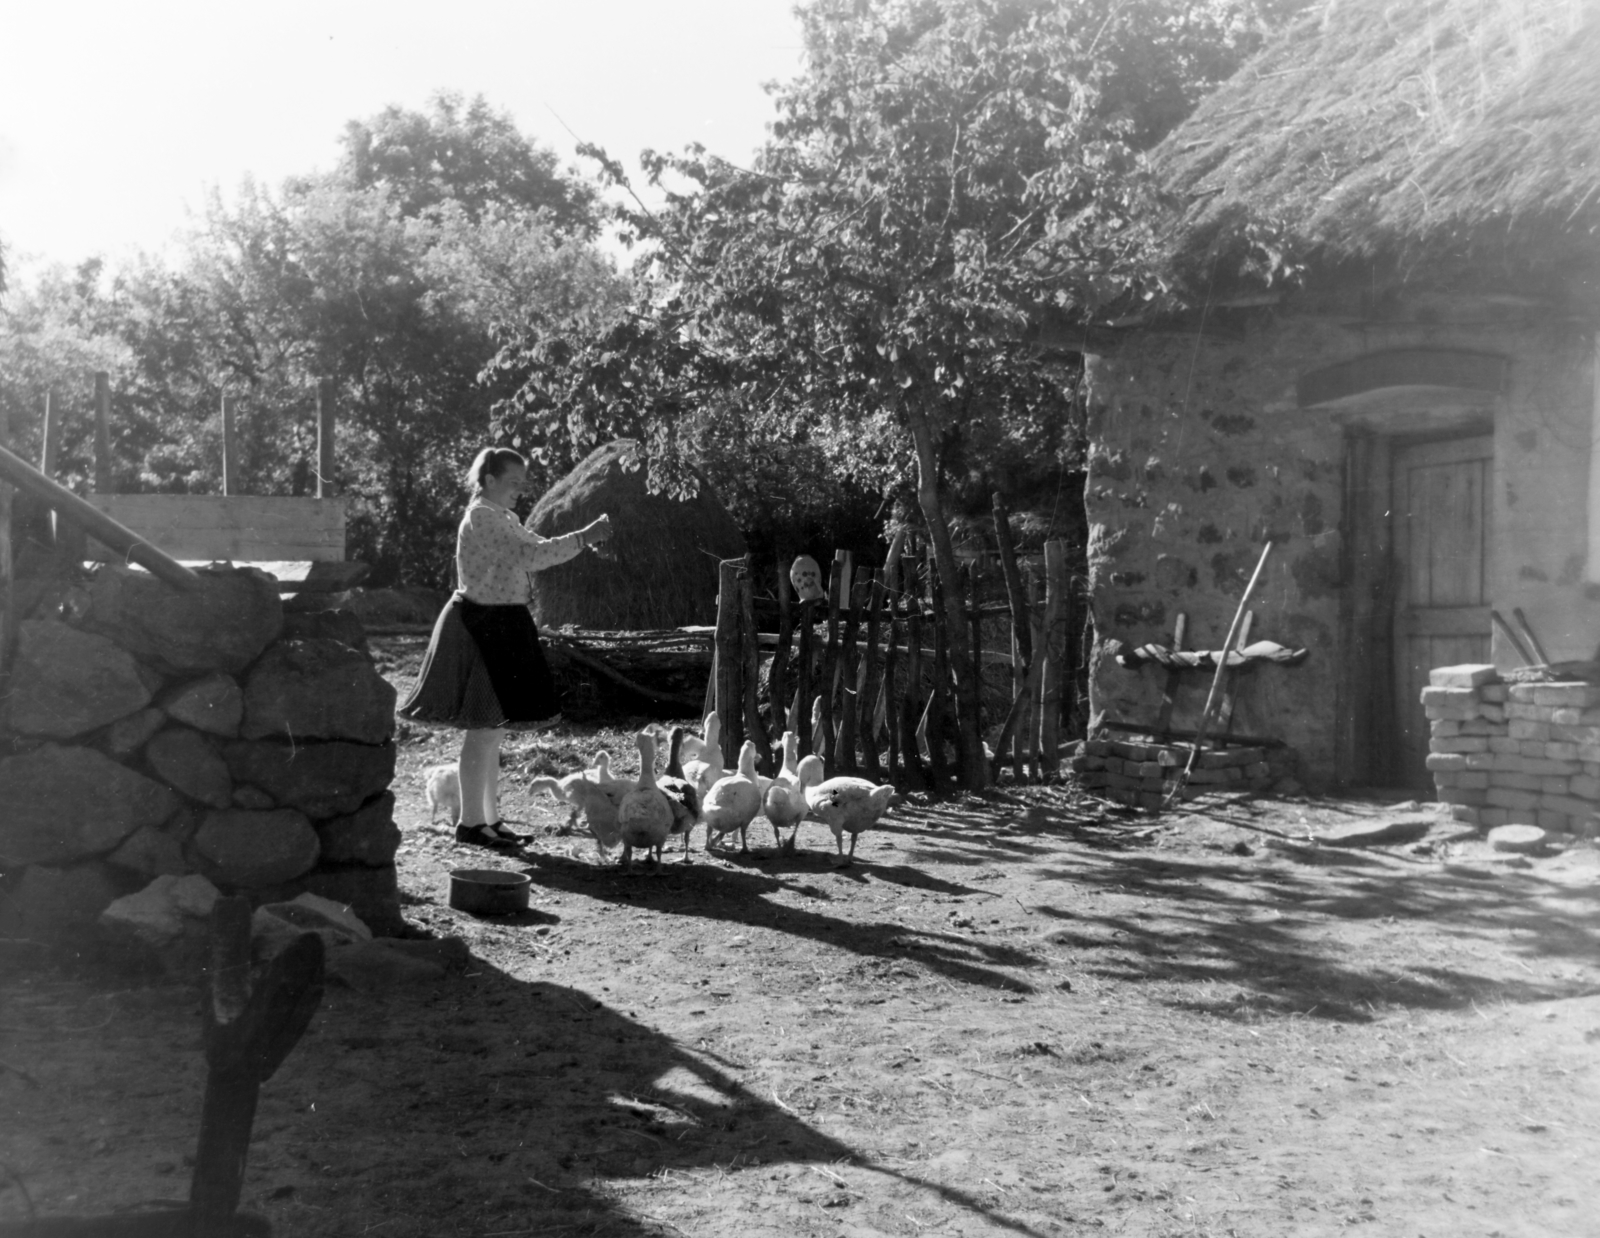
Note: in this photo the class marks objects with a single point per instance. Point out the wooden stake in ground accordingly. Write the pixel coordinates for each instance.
(1182, 781)
(1054, 652)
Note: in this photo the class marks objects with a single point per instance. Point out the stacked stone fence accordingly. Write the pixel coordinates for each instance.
(1515, 753)
(161, 745)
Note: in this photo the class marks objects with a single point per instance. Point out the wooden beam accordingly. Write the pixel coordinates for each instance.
(327, 487)
(230, 451)
(243, 528)
(102, 432)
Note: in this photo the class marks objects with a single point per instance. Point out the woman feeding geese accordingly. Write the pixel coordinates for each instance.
(484, 672)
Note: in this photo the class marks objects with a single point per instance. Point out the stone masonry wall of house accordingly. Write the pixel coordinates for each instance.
(153, 737)
(1200, 453)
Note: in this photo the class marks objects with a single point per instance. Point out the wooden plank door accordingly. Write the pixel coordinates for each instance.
(1442, 547)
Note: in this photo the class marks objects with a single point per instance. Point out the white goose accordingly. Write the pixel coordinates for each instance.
(734, 801)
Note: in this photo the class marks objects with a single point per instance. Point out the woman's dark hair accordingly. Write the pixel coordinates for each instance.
(491, 462)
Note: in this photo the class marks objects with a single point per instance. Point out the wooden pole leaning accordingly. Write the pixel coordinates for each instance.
(114, 534)
(1182, 781)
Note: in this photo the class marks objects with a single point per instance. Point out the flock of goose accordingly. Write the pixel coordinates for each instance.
(695, 788)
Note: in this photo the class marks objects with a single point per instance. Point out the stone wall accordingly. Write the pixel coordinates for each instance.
(150, 732)
(1200, 452)
(1515, 753)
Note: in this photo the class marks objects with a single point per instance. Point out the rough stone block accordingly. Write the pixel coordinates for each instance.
(1449, 698)
(1490, 817)
(165, 911)
(320, 779)
(1480, 760)
(186, 761)
(1506, 797)
(1543, 765)
(1585, 786)
(1461, 744)
(317, 689)
(372, 893)
(1566, 695)
(214, 704)
(1521, 728)
(1517, 838)
(1465, 813)
(1473, 779)
(1444, 727)
(1567, 717)
(253, 850)
(1569, 804)
(127, 735)
(344, 626)
(223, 624)
(276, 925)
(1492, 713)
(1524, 712)
(64, 804)
(152, 852)
(66, 682)
(253, 798)
(1480, 726)
(367, 836)
(1445, 761)
(1471, 675)
(1463, 795)
(1552, 822)
(60, 905)
(1495, 693)
(1576, 734)
(1505, 744)
(1555, 750)
(1518, 782)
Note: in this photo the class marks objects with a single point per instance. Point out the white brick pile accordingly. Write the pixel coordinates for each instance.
(1514, 753)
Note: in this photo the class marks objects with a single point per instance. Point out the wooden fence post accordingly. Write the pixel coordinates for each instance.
(754, 729)
(800, 711)
(729, 659)
(934, 718)
(230, 451)
(326, 484)
(1055, 654)
(777, 676)
(830, 652)
(844, 751)
(102, 432)
(869, 691)
(911, 696)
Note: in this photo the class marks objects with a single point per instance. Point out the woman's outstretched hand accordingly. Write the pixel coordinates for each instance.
(597, 531)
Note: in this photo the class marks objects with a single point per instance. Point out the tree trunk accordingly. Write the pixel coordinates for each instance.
(974, 769)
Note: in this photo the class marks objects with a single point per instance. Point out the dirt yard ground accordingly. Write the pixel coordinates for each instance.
(1016, 1014)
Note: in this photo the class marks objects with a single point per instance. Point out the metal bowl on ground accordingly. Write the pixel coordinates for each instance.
(489, 891)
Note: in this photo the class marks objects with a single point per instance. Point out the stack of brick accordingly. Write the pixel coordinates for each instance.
(1143, 772)
(1514, 753)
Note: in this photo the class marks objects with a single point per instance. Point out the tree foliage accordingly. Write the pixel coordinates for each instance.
(392, 291)
(943, 175)
(464, 153)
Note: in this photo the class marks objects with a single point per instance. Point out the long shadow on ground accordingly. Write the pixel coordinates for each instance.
(493, 1105)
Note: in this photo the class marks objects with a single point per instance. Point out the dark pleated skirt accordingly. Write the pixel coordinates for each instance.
(484, 668)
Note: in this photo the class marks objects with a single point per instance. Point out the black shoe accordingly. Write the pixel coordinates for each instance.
(501, 830)
(485, 836)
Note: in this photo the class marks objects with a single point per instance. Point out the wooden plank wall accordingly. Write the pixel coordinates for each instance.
(244, 528)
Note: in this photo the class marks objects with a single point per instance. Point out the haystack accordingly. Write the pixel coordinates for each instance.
(660, 568)
(1413, 132)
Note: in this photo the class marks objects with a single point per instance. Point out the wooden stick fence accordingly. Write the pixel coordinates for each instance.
(852, 678)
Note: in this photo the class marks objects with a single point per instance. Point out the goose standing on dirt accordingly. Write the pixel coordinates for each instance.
(847, 806)
(694, 746)
(597, 802)
(784, 802)
(734, 801)
(683, 793)
(645, 815)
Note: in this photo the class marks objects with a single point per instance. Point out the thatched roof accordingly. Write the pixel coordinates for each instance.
(1400, 129)
(659, 569)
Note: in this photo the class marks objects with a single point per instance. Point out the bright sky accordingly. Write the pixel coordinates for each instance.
(116, 117)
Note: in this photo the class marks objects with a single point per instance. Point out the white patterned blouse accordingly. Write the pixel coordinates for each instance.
(495, 553)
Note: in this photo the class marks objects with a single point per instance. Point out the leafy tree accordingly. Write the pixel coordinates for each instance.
(942, 175)
(461, 152)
